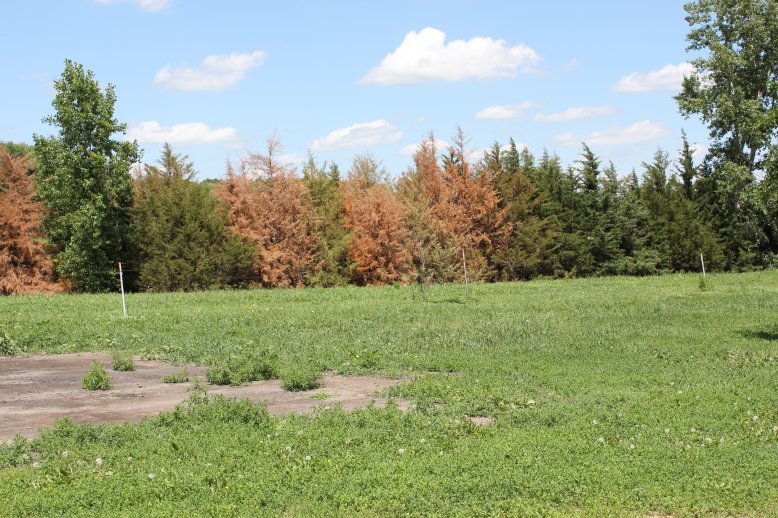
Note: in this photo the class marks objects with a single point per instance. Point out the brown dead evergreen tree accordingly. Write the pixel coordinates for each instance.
(424, 192)
(271, 208)
(25, 267)
(375, 216)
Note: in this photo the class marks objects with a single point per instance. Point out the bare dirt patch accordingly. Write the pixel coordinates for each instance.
(37, 390)
(481, 420)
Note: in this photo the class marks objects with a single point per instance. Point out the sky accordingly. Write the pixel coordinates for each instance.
(340, 78)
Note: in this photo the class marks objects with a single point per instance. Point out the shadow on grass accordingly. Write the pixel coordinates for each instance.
(770, 336)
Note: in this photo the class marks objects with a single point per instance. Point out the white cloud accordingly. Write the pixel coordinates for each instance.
(361, 134)
(190, 133)
(214, 73)
(291, 160)
(699, 151)
(578, 112)
(571, 65)
(411, 148)
(136, 170)
(508, 111)
(146, 5)
(639, 132)
(669, 77)
(425, 56)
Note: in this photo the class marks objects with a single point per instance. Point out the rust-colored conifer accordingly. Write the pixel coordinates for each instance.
(375, 216)
(270, 207)
(25, 267)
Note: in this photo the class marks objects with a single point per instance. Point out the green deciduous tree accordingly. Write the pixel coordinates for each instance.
(734, 88)
(84, 182)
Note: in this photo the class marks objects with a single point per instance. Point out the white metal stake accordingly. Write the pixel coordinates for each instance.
(702, 261)
(121, 284)
(464, 265)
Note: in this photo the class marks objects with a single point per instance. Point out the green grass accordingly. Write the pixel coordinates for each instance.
(614, 396)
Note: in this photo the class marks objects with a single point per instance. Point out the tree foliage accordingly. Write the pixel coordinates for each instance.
(734, 88)
(272, 208)
(181, 232)
(333, 267)
(472, 209)
(433, 247)
(25, 267)
(529, 241)
(375, 217)
(84, 183)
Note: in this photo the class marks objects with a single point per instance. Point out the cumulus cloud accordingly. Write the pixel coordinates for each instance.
(291, 160)
(509, 111)
(699, 151)
(146, 5)
(669, 77)
(426, 56)
(190, 133)
(216, 72)
(578, 112)
(643, 131)
(571, 65)
(361, 134)
(411, 148)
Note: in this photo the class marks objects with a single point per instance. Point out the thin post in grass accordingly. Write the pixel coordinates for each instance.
(121, 285)
(423, 278)
(702, 262)
(464, 266)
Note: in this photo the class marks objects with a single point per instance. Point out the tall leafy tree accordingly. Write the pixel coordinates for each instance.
(734, 88)
(181, 231)
(84, 182)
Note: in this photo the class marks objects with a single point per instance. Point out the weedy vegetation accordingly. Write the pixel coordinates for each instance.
(296, 378)
(96, 378)
(604, 397)
(244, 367)
(8, 346)
(122, 361)
(181, 376)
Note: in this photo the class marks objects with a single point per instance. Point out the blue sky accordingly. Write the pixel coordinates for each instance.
(216, 79)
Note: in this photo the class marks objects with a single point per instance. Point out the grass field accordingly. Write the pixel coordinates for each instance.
(616, 396)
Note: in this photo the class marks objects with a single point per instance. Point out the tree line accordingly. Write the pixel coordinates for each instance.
(70, 209)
